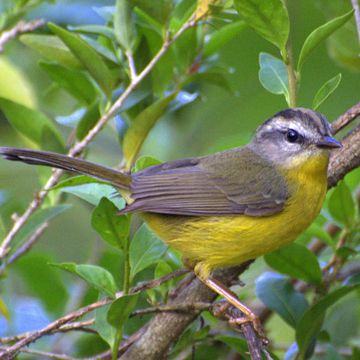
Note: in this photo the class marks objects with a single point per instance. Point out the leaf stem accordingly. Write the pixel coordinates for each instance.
(126, 284)
(289, 61)
(291, 75)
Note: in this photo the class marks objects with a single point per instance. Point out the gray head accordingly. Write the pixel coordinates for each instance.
(293, 132)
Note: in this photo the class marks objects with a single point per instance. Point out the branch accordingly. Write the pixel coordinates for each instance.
(19, 28)
(346, 118)
(79, 147)
(346, 159)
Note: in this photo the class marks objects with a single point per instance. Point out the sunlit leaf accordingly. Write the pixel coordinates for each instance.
(94, 192)
(325, 91)
(144, 162)
(111, 226)
(145, 250)
(268, 18)
(273, 75)
(276, 292)
(94, 275)
(320, 34)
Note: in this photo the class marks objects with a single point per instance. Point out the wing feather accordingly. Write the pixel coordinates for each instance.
(234, 182)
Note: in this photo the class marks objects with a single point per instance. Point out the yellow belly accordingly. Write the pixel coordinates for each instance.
(221, 241)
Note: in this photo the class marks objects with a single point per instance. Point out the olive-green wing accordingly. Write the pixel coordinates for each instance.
(234, 182)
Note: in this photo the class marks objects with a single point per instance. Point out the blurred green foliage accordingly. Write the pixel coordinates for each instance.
(209, 92)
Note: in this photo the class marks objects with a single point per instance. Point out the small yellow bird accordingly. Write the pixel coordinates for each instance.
(223, 209)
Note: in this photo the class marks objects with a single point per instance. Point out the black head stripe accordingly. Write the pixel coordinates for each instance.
(310, 117)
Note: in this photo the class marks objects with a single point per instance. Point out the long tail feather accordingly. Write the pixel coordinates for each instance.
(35, 157)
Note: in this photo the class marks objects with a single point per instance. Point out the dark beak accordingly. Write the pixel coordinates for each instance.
(329, 142)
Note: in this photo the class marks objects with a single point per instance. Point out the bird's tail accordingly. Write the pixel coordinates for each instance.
(35, 157)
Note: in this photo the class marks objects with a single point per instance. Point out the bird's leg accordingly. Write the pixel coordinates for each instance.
(232, 299)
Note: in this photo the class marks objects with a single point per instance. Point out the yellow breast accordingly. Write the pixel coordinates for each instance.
(220, 241)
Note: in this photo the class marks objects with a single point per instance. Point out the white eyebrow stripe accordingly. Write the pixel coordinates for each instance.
(282, 124)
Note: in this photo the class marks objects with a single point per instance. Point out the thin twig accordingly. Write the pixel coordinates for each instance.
(131, 63)
(79, 147)
(19, 28)
(26, 246)
(291, 72)
(355, 5)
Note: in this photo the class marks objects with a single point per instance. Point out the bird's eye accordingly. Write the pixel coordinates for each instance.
(292, 136)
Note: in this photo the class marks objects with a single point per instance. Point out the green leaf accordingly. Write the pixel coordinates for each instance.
(296, 261)
(236, 343)
(145, 250)
(38, 218)
(94, 192)
(163, 268)
(326, 90)
(96, 276)
(106, 332)
(95, 30)
(74, 82)
(111, 226)
(76, 180)
(311, 323)
(52, 48)
(121, 309)
(88, 57)
(341, 204)
(268, 18)
(315, 230)
(320, 34)
(221, 37)
(162, 74)
(141, 126)
(144, 162)
(273, 75)
(33, 124)
(276, 292)
(88, 121)
(123, 25)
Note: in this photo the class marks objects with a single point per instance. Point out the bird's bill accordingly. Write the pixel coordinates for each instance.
(329, 142)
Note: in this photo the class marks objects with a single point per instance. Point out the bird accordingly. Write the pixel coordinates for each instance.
(226, 208)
